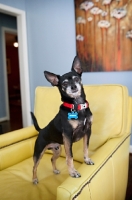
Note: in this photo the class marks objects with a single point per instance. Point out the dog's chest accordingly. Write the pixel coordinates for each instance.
(79, 128)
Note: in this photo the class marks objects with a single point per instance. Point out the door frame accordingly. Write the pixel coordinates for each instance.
(23, 61)
(5, 30)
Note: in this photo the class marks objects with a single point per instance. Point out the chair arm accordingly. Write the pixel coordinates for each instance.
(16, 136)
(71, 187)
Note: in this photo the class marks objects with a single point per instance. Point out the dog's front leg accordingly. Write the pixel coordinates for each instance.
(56, 153)
(87, 160)
(69, 157)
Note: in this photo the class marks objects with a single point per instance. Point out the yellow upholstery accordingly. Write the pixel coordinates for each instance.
(109, 149)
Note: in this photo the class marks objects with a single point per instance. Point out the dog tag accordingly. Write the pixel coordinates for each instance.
(73, 115)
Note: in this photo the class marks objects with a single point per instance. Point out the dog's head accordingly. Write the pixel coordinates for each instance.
(69, 84)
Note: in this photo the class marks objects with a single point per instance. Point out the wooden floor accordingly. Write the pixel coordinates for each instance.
(16, 123)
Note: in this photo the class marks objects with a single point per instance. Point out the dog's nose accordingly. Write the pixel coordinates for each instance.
(73, 87)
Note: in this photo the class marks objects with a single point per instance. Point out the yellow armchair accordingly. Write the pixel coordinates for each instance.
(109, 149)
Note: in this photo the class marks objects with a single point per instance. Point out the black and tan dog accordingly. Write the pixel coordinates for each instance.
(72, 122)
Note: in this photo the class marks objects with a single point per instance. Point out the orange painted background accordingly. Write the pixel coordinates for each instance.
(104, 34)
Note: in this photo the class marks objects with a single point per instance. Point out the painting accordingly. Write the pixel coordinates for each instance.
(104, 34)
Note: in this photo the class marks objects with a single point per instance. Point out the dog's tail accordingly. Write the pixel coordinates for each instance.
(35, 122)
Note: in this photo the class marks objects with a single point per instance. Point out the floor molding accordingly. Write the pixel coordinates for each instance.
(130, 149)
(3, 119)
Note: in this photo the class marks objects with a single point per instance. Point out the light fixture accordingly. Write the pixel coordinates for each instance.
(15, 44)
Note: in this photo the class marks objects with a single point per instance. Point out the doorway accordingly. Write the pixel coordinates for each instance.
(23, 63)
(13, 80)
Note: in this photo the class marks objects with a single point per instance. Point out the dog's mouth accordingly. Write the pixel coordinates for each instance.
(73, 92)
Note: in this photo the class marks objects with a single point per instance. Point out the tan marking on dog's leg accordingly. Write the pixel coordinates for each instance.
(87, 160)
(56, 153)
(91, 119)
(85, 147)
(69, 160)
(35, 179)
(36, 163)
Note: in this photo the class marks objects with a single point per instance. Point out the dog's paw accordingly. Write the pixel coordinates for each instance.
(75, 174)
(88, 161)
(56, 171)
(35, 181)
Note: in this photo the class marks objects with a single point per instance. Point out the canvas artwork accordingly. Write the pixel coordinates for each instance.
(104, 34)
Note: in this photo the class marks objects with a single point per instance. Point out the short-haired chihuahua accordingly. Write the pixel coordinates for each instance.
(71, 123)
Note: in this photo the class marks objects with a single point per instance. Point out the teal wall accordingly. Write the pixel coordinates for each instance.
(52, 45)
(20, 4)
(51, 38)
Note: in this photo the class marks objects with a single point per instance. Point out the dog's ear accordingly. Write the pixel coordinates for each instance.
(76, 66)
(52, 78)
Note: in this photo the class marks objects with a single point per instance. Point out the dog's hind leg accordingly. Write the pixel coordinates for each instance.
(36, 158)
(36, 162)
(56, 153)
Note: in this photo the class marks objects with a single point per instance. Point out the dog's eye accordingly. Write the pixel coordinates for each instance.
(65, 84)
(76, 79)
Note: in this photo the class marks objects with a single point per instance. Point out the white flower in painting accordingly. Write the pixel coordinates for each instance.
(129, 34)
(106, 2)
(96, 11)
(119, 13)
(90, 19)
(123, 27)
(81, 20)
(86, 5)
(103, 24)
(104, 13)
(80, 37)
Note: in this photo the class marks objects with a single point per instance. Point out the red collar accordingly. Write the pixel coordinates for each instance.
(79, 107)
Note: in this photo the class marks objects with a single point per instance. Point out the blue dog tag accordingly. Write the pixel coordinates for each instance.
(73, 115)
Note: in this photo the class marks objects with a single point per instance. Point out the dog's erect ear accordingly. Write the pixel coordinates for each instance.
(76, 65)
(52, 78)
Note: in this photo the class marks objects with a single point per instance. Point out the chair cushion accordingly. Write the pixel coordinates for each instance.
(16, 181)
(107, 106)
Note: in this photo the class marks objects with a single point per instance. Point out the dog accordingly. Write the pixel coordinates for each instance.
(72, 122)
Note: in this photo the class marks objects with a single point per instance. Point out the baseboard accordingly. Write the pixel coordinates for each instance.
(130, 150)
(3, 119)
